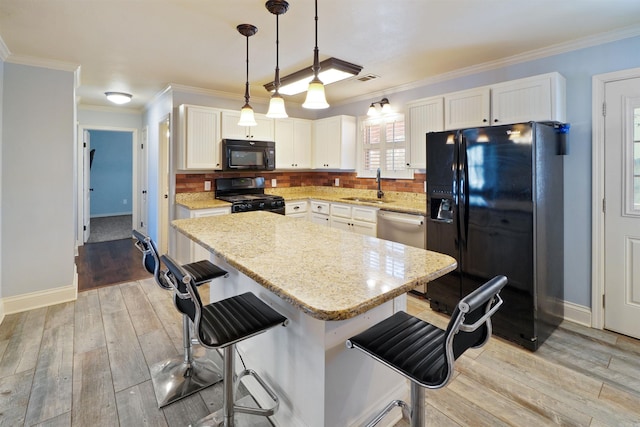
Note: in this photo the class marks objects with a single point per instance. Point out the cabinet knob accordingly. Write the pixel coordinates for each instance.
(484, 120)
(408, 164)
(495, 120)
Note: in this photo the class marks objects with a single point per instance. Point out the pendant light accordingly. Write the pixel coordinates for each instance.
(276, 104)
(246, 114)
(315, 93)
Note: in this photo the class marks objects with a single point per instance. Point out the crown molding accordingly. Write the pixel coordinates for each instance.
(43, 63)
(582, 43)
(4, 50)
(108, 109)
(210, 92)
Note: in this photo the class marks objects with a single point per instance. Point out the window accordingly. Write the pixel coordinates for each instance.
(382, 144)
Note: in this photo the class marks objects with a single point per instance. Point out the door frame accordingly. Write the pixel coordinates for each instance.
(135, 146)
(597, 189)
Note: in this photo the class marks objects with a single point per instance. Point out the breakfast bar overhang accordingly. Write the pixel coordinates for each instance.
(330, 284)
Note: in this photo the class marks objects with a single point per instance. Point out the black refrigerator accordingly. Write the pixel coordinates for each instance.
(495, 204)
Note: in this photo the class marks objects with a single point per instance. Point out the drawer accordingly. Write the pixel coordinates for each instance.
(343, 211)
(365, 214)
(320, 207)
(296, 207)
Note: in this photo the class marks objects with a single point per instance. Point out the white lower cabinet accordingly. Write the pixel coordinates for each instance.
(186, 249)
(359, 219)
(319, 212)
(298, 209)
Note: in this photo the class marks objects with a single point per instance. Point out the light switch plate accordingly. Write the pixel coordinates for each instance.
(337, 182)
(207, 186)
(274, 183)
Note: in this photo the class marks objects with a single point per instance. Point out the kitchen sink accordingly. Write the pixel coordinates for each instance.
(366, 200)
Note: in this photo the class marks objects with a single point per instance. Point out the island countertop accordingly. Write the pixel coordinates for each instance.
(329, 274)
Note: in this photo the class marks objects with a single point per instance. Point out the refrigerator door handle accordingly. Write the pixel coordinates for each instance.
(463, 205)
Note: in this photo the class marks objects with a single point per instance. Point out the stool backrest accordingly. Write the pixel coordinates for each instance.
(150, 258)
(470, 324)
(186, 297)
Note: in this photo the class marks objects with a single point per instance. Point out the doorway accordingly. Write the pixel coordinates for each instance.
(616, 195)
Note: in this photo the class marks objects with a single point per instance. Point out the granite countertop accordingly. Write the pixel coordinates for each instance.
(327, 273)
(397, 201)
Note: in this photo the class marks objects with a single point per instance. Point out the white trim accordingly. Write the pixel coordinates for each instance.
(135, 144)
(4, 53)
(590, 41)
(33, 300)
(597, 190)
(107, 215)
(1, 310)
(577, 313)
(43, 63)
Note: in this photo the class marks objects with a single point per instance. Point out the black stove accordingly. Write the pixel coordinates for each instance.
(247, 194)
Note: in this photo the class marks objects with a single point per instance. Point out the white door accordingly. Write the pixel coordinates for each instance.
(86, 187)
(163, 172)
(622, 207)
(143, 204)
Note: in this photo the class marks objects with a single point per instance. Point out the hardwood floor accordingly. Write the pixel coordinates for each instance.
(85, 363)
(107, 263)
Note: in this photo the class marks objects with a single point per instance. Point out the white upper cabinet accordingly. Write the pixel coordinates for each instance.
(293, 143)
(423, 115)
(199, 138)
(538, 98)
(334, 143)
(230, 129)
(467, 108)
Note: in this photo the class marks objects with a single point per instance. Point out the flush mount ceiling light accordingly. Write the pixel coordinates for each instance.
(276, 104)
(331, 70)
(246, 113)
(118, 97)
(384, 106)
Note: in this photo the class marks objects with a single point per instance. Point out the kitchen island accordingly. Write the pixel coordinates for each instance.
(331, 284)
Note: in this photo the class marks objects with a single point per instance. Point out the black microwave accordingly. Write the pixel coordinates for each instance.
(240, 154)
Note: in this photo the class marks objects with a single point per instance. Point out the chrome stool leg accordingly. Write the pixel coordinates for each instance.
(178, 377)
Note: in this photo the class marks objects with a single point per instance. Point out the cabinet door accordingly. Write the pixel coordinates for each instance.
(539, 98)
(366, 228)
(322, 138)
(341, 223)
(284, 137)
(468, 108)
(424, 116)
(230, 129)
(342, 211)
(302, 143)
(200, 138)
(320, 219)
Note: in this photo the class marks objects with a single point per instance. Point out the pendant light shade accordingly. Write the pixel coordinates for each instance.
(277, 109)
(247, 117)
(315, 93)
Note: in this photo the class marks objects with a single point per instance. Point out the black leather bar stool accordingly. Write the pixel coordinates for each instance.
(425, 353)
(178, 377)
(221, 325)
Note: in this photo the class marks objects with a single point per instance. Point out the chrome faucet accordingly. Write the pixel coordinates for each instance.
(380, 192)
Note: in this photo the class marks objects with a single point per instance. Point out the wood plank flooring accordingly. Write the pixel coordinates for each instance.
(86, 363)
(107, 263)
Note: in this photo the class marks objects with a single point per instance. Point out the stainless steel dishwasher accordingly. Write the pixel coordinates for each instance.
(408, 229)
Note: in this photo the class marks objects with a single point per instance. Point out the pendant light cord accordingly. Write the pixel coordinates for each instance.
(277, 82)
(316, 62)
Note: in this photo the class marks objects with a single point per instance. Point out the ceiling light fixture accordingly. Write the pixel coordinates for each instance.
(315, 93)
(331, 70)
(118, 97)
(277, 109)
(246, 113)
(384, 106)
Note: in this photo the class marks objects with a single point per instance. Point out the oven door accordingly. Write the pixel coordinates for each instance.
(248, 155)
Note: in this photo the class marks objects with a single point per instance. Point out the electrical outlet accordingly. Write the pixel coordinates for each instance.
(124, 201)
(337, 182)
(207, 186)
(274, 183)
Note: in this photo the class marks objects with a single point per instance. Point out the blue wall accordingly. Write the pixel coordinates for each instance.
(111, 173)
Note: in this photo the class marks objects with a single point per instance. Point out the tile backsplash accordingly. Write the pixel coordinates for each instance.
(194, 183)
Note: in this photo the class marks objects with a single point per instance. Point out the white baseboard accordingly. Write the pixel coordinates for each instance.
(32, 300)
(1, 310)
(577, 313)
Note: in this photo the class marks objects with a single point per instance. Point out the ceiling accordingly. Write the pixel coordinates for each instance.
(142, 46)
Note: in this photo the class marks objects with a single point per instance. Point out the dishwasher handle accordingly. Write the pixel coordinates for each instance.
(405, 219)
